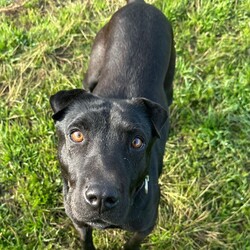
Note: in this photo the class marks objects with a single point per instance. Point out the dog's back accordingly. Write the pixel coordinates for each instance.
(139, 54)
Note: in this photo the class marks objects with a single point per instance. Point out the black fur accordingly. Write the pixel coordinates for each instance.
(130, 79)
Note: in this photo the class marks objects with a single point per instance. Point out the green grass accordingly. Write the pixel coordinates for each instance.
(45, 47)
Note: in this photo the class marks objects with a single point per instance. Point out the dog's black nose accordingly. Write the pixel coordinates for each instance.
(101, 197)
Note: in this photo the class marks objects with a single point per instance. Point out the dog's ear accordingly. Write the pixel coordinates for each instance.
(157, 114)
(62, 99)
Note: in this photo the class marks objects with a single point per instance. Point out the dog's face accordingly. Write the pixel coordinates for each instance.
(104, 152)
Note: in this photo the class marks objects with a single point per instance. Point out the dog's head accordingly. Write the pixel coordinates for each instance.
(104, 152)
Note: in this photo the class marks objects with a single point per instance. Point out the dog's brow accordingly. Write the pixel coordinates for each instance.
(86, 118)
(129, 127)
(78, 121)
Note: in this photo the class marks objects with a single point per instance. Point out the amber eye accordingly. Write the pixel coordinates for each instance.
(77, 136)
(137, 143)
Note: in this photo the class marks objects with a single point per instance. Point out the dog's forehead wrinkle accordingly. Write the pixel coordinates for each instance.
(82, 106)
(107, 113)
(123, 112)
(94, 114)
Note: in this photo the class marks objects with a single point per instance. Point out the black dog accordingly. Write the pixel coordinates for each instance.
(112, 141)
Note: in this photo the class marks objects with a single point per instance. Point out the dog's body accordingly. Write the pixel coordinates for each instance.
(109, 146)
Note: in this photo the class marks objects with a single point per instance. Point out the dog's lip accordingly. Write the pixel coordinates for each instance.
(97, 224)
(100, 224)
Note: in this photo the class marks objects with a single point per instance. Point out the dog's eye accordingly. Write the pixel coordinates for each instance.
(137, 143)
(77, 136)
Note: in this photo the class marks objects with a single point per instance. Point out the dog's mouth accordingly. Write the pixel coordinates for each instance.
(101, 224)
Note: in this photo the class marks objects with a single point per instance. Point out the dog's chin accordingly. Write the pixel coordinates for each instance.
(94, 221)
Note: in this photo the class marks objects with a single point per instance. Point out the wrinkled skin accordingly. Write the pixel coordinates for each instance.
(131, 83)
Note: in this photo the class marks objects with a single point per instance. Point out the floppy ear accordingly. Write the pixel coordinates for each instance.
(62, 99)
(156, 113)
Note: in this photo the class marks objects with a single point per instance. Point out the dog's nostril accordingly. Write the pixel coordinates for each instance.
(93, 199)
(110, 202)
